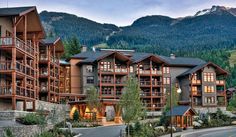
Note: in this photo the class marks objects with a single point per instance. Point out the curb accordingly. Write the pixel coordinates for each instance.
(209, 129)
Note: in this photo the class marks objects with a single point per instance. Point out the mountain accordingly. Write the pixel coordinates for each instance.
(68, 25)
(208, 29)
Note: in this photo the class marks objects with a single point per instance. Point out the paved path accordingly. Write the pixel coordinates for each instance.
(104, 131)
(209, 132)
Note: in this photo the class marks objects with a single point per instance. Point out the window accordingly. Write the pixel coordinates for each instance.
(166, 70)
(105, 66)
(208, 76)
(166, 81)
(194, 89)
(106, 90)
(89, 68)
(209, 100)
(131, 69)
(90, 80)
(209, 89)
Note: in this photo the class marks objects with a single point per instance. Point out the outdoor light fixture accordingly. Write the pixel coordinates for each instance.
(179, 90)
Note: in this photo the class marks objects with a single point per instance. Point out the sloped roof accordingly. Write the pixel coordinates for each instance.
(54, 41)
(195, 69)
(15, 11)
(182, 61)
(180, 110)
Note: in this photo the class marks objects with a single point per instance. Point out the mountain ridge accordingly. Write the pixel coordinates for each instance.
(216, 28)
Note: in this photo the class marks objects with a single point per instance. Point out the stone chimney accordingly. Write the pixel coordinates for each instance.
(84, 48)
(172, 56)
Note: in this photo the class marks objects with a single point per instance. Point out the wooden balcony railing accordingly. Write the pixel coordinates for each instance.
(5, 90)
(20, 44)
(154, 105)
(197, 93)
(197, 103)
(221, 103)
(220, 92)
(196, 81)
(6, 65)
(148, 72)
(220, 82)
(145, 94)
(145, 83)
(20, 91)
(121, 70)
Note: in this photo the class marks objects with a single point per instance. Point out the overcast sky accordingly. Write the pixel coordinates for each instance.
(120, 12)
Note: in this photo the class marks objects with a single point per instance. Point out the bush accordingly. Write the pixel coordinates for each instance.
(8, 133)
(56, 133)
(32, 119)
(76, 115)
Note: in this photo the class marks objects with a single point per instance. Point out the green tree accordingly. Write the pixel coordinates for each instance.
(76, 115)
(232, 103)
(92, 98)
(72, 47)
(130, 102)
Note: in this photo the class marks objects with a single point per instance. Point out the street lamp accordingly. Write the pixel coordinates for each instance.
(171, 108)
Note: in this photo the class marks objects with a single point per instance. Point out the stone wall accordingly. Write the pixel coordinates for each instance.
(12, 114)
(208, 109)
(5, 104)
(24, 131)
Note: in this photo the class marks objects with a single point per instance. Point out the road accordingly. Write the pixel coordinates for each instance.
(230, 132)
(107, 131)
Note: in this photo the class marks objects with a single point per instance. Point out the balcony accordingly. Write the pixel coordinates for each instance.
(149, 94)
(121, 70)
(196, 82)
(149, 72)
(20, 91)
(154, 105)
(220, 103)
(197, 93)
(43, 57)
(197, 103)
(18, 43)
(220, 93)
(220, 82)
(145, 83)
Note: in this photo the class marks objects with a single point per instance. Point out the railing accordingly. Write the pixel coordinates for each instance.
(143, 94)
(196, 81)
(5, 90)
(123, 70)
(220, 92)
(6, 65)
(154, 105)
(220, 82)
(221, 103)
(145, 83)
(43, 57)
(148, 72)
(43, 88)
(197, 103)
(197, 93)
(9, 41)
(156, 83)
(43, 73)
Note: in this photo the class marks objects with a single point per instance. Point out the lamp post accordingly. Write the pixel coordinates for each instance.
(171, 108)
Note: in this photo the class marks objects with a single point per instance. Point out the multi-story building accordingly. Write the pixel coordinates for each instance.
(50, 51)
(108, 69)
(202, 83)
(20, 32)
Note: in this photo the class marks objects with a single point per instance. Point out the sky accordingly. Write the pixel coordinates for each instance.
(120, 12)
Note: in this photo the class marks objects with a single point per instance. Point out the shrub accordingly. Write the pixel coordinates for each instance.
(8, 133)
(33, 119)
(76, 115)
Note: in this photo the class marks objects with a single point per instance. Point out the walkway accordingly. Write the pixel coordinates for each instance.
(208, 132)
(103, 131)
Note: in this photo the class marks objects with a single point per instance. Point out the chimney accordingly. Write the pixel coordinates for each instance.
(84, 48)
(172, 56)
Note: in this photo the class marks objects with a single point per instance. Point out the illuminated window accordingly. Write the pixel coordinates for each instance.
(194, 89)
(166, 81)
(105, 66)
(208, 77)
(166, 70)
(209, 89)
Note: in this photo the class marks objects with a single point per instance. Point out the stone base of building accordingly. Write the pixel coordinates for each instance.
(12, 114)
(118, 120)
(205, 110)
(154, 113)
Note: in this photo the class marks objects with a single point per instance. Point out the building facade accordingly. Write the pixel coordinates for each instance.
(108, 69)
(20, 32)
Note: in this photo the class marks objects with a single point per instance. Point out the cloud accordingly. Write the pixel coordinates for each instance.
(121, 12)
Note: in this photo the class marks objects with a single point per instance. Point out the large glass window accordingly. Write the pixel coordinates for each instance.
(166, 81)
(105, 66)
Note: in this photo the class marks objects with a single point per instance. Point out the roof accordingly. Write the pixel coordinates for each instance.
(180, 110)
(182, 61)
(54, 41)
(63, 62)
(15, 11)
(195, 69)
